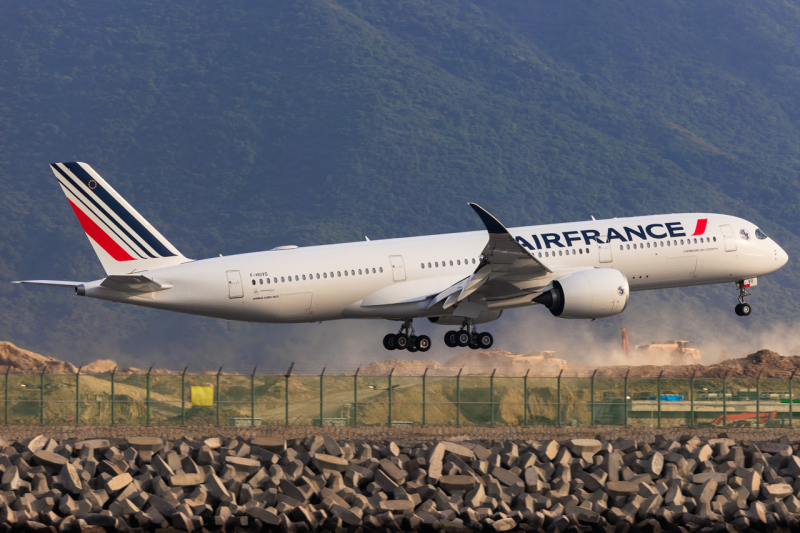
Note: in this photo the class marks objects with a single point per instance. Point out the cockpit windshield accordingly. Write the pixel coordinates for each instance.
(760, 234)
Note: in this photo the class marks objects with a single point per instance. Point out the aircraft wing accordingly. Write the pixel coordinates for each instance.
(507, 270)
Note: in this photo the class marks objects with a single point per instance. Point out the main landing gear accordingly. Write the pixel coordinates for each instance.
(468, 336)
(742, 308)
(405, 339)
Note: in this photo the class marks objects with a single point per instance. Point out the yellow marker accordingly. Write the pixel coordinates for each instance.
(202, 395)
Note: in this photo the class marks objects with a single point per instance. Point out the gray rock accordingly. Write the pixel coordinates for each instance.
(329, 462)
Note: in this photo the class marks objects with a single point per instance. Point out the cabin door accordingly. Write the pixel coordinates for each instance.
(235, 289)
(398, 268)
(730, 240)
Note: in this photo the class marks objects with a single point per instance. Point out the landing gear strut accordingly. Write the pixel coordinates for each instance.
(406, 339)
(468, 336)
(742, 308)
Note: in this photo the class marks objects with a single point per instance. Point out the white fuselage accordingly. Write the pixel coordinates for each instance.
(390, 278)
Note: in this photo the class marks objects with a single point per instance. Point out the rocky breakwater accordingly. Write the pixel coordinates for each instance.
(148, 484)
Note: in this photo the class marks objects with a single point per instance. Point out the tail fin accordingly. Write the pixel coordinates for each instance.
(123, 240)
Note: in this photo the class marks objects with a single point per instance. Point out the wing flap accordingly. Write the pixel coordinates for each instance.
(49, 283)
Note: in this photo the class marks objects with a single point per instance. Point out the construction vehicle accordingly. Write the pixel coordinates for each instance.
(670, 352)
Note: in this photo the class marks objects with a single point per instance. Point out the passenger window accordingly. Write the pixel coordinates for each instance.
(282, 280)
(297, 278)
(620, 247)
(662, 244)
(429, 265)
(559, 252)
(317, 275)
(540, 254)
(629, 246)
(547, 254)
(681, 241)
(444, 263)
(587, 250)
(276, 280)
(581, 249)
(648, 245)
(634, 246)
(353, 272)
(359, 271)
(366, 270)
(345, 272)
(715, 239)
(436, 264)
(458, 262)
(380, 269)
(473, 260)
(304, 277)
(423, 266)
(267, 281)
(695, 240)
(325, 275)
(339, 273)
(261, 281)
(451, 262)
(675, 242)
(254, 282)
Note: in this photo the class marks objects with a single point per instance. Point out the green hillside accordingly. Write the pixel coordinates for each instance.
(248, 125)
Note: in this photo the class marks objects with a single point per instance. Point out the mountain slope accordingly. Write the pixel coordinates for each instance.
(241, 127)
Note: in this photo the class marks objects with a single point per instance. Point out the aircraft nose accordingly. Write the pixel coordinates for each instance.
(781, 257)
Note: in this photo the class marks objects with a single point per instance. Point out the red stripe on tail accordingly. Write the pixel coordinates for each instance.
(701, 226)
(99, 236)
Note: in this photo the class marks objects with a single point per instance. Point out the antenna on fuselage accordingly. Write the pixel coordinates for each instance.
(367, 238)
(592, 217)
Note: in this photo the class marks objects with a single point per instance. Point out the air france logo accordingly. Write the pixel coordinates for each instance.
(568, 239)
(621, 290)
(745, 234)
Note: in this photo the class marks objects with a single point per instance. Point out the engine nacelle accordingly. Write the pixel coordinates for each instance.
(597, 293)
(483, 318)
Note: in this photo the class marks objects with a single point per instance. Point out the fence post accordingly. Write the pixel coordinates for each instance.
(491, 395)
(286, 391)
(390, 396)
(592, 393)
(321, 374)
(218, 393)
(41, 396)
(8, 369)
(355, 397)
(253, 397)
(758, 400)
(558, 391)
(458, 397)
(659, 398)
(183, 396)
(525, 398)
(78, 396)
(424, 374)
(625, 418)
(724, 400)
(112, 396)
(691, 398)
(791, 399)
(148, 392)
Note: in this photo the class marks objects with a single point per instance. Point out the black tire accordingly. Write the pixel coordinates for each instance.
(401, 341)
(485, 340)
(463, 338)
(388, 342)
(474, 346)
(738, 310)
(424, 343)
(450, 339)
(746, 309)
(412, 345)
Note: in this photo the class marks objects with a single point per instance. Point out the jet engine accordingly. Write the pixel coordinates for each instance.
(597, 293)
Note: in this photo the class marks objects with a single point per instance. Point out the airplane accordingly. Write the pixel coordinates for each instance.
(577, 270)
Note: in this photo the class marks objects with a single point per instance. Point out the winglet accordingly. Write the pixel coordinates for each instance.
(492, 224)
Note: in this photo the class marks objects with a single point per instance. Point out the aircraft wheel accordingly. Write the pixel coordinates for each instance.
(745, 309)
(485, 340)
(463, 338)
(401, 341)
(413, 344)
(451, 339)
(474, 346)
(424, 343)
(388, 342)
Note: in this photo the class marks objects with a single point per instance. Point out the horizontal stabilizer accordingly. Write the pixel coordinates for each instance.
(50, 283)
(133, 283)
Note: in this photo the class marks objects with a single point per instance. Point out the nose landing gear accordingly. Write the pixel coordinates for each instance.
(742, 308)
(406, 339)
(468, 336)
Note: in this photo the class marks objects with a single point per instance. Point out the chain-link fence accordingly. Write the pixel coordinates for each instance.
(392, 400)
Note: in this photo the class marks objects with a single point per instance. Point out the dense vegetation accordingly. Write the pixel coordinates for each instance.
(245, 125)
